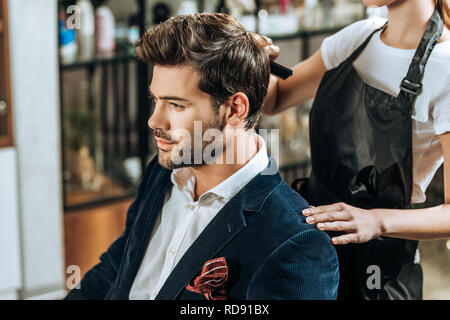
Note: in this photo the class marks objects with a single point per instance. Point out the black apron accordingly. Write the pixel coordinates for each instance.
(361, 154)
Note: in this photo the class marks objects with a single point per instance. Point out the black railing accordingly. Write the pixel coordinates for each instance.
(118, 105)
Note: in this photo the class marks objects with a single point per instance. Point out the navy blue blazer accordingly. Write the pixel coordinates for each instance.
(271, 252)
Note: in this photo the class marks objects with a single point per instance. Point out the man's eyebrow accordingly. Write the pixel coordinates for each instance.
(169, 97)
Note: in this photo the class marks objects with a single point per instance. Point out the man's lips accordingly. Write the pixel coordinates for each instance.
(163, 144)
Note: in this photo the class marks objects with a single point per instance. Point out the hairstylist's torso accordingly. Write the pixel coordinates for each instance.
(431, 110)
(375, 148)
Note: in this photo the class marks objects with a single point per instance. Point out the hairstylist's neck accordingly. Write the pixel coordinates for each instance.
(408, 20)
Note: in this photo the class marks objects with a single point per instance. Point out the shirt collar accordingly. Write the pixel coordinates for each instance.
(184, 179)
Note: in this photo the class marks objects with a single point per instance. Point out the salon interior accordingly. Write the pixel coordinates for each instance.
(74, 139)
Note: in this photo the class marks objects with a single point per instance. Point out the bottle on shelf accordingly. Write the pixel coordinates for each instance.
(188, 7)
(104, 23)
(86, 32)
(67, 40)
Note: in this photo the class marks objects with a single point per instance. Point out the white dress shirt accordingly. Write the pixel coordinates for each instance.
(182, 219)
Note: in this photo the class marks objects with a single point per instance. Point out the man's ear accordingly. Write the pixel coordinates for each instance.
(237, 109)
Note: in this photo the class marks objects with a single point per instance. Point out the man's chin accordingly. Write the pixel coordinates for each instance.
(164, 159)
(166, 162)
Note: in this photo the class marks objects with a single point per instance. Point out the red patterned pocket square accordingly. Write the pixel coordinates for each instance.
(212, 280)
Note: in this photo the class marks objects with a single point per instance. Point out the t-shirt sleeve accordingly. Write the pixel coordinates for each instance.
(441, 111)
(339, 46)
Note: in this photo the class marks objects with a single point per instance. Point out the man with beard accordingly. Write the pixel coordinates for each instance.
(212, 219)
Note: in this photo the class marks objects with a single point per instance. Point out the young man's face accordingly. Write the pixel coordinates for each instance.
(178, 103)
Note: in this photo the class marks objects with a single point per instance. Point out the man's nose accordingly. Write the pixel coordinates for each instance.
(158, 119)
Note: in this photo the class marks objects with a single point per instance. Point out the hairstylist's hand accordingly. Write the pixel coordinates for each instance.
(360, 225)
(272, 50)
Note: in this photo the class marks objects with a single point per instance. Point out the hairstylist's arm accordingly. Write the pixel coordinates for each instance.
(301, 86)
(445, 145)
(363, 225)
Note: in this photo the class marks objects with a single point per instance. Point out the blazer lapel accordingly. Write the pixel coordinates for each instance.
(225, 225)
(140, 234)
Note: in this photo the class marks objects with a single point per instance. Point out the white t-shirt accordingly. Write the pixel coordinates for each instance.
(384, 67)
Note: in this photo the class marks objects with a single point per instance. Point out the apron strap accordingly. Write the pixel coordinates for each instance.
(411, 85)
(356, 53)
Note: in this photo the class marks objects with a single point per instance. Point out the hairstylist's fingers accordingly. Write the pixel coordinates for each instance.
(328, 217)
(346, 238)
(273, 51)
(339, 206)
(337, 226)
(262, 40)
(268, 40)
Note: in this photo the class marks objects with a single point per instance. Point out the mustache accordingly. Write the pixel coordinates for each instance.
(162, 135)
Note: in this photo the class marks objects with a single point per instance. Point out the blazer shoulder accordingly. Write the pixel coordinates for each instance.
(290, 197)
(285, 205)
(304, 266)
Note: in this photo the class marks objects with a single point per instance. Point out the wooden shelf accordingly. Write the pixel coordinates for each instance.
(89, 232)
(123, 52)
(75, 195)
(6, 132)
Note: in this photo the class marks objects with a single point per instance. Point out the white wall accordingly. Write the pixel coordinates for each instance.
(33, 168)
(10, 278)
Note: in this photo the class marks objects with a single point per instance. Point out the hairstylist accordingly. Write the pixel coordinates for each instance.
(379, 130)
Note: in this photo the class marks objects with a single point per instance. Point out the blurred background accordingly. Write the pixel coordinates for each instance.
(73, 126)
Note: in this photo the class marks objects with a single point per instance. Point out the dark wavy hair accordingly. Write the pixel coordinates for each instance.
(227, 57)
(444, 7)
